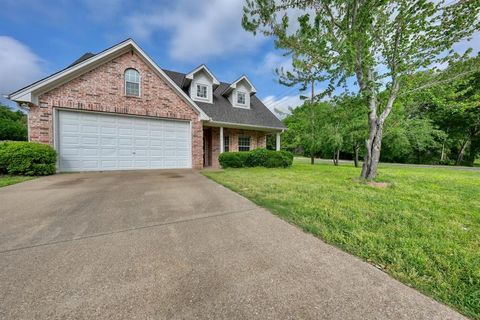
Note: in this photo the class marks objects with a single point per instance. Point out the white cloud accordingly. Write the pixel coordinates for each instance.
(282, 105)
(272, 61)
(19, 66)
(199, 30)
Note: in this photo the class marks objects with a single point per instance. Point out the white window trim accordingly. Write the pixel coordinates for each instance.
(197, 84)
(235, 103)
(139, 83)
(244, 98)
(209, 91)
(249, 142)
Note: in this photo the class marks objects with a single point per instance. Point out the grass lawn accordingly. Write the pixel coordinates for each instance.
(6, 180)
(424, 229)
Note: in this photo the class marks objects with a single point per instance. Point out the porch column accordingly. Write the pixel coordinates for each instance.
(278, 141)
(222, 147)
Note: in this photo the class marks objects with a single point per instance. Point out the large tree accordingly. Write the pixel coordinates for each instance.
(379, 42)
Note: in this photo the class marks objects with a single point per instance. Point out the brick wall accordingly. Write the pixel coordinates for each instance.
(102, 89)
(258, 139)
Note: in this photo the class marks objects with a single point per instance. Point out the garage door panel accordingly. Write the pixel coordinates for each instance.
(108, 141)
(125, 142)
(108, 152)
(156, 142)
(89, 152)
(139, 142)
(90, 164)
(89, 141)
(109, 164)
(70, 128)
(156, 153)
(107, 130)
(125, 152)
(69, 140)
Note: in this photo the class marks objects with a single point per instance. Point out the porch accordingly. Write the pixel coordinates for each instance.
(220, 139)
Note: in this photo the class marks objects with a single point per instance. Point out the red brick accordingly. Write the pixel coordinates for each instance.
(102, 90)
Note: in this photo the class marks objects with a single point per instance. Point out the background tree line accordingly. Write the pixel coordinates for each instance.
(438, 123)
(13, 124)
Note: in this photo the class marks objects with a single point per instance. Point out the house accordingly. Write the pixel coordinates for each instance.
(118, 110)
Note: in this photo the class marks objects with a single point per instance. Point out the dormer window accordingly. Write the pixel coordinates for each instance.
(241, 98)
(201, 84)
(202, 91)
(239, 93)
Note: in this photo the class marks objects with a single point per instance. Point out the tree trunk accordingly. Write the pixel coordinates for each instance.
(312, 159)
(338, 157)
(442, 155)
(372, 155)
(335, 160)
(461, 153)
(355, 157)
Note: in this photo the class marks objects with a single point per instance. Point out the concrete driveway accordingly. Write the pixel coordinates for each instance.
(175, 245)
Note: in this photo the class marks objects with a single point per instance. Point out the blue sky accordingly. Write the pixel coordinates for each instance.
(38, 38)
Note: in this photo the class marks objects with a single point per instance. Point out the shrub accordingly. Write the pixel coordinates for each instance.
(279, 159)
(233, 159)
(27, 158)
(256, 158)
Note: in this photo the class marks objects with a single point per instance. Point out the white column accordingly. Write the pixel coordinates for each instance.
(222, 147)
(278, 141)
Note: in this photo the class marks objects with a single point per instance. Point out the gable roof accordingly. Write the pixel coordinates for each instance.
(204, 68)
(234, 85)
(88, 62)
(221, 110)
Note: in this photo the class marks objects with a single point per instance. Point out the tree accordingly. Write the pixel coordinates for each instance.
(450, 102)
(304, 129)
(377, 42)
(13, 125)
(355, 126)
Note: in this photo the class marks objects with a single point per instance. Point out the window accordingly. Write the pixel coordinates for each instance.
(132, 83)
(201, 91)
(244, 143)
(226, 143)
(241, 98)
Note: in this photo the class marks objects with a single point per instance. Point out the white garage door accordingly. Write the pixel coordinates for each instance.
(97, 142)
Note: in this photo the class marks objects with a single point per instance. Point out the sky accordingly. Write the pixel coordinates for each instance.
(38, 38)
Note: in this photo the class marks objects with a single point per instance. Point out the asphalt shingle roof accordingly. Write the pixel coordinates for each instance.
(221, 109)
(84, 57)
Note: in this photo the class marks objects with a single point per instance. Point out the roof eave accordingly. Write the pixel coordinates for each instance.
(245, 126)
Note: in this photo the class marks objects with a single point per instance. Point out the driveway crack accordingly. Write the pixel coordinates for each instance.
(97, 235)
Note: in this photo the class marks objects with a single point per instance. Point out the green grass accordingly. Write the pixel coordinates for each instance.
(8, 180)
(424, 229)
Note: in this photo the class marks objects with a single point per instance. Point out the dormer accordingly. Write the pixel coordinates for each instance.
(202, 84)
(239, 93)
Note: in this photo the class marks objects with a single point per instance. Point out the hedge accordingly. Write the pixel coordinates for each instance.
(256, 158)
(27, 158)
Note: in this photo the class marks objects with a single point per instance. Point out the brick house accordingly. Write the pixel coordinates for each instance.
(118, 110)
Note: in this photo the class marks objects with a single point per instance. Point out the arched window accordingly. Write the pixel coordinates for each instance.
(132, 83)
